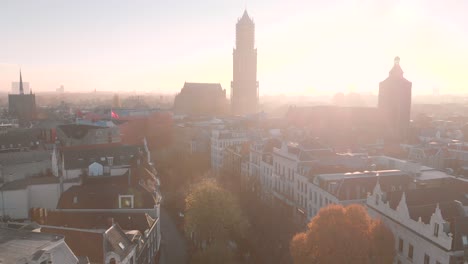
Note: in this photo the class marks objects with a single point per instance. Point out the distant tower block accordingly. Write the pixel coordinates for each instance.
(395, 103)
(116, 101)
(244, 86)
(61, 89)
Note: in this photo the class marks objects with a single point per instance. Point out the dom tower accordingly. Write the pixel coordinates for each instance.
(244, 86)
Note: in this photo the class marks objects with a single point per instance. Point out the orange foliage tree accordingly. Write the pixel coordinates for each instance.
(343, 235)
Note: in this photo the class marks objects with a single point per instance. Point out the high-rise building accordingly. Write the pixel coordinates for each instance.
(22, 105)
(395, 103)
(244, 86)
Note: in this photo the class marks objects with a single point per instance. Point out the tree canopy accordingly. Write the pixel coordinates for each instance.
(343, 235)
(212, 213)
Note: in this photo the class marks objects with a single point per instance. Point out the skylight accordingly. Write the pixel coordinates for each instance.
(121, 245)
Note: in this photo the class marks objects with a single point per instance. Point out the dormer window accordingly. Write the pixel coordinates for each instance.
(121, 245)
(125, 201)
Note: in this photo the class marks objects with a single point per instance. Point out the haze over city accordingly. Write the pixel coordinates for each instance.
(304, 47)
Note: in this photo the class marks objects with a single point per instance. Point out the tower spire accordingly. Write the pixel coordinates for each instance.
(21, 90)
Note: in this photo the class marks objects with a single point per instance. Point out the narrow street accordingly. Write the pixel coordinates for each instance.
(173, 246)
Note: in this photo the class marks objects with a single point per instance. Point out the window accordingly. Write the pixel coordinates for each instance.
(436, 230)
(410, 251)
(377, 198)
(121, 245)
(75, 199)
(125, 201)
(400, 245)
(110, 161)
(427, 259)
(465, 241)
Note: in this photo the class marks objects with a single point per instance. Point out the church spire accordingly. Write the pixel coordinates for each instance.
(245, 18)
(21, 90)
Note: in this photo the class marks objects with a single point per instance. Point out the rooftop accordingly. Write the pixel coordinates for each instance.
(16, 245)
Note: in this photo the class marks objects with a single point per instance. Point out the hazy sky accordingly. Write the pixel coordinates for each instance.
(308, 46)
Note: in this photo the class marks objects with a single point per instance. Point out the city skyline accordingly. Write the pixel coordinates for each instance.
(304, 48)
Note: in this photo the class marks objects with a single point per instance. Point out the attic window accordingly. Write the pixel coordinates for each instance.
(121, 246)
(125, 201)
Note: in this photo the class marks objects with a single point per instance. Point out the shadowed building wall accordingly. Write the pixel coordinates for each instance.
(201, 99)
(395, 103)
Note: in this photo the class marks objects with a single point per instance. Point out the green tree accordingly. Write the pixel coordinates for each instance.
(343, 235)
(212, 214)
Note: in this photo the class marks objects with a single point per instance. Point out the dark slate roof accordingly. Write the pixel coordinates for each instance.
(422, 202)
(98, 220)
(77, 131)
(104, 196)
(348, 185)
(79, 157)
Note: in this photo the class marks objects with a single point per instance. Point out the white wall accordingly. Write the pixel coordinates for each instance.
(44, 195)
(18, 202)
(72, 174)
(14, 203)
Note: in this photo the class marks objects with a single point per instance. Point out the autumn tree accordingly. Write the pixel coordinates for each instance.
(343, 235)
(212, 214)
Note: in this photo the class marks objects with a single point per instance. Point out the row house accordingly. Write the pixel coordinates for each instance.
(286, 161)
(315, 191)
(104, 246)
(430, 225)
(303, 178)
(139, 227)
(221, 139)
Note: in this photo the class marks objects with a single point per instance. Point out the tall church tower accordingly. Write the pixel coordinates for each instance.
(244, 85)
(395, 103)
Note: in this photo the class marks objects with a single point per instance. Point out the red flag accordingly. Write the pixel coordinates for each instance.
(114, 115)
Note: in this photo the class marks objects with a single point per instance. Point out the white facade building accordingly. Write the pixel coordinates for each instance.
(429, 227)
(220, 139)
